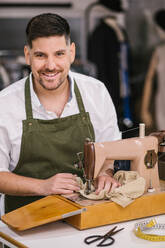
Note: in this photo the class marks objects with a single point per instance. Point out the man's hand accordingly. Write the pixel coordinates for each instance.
(106, 182)
(61, 183)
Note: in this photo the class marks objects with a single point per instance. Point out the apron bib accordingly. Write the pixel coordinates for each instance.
(49, 147)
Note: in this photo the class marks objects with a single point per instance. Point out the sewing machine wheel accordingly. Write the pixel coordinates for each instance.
(150, 159)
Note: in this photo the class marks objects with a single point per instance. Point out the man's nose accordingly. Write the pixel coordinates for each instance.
(51, 64)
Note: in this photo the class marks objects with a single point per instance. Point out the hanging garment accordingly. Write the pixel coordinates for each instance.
(125, 85)
(108, 50)
(160, 94)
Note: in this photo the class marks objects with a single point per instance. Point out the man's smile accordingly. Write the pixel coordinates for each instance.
(49, 75)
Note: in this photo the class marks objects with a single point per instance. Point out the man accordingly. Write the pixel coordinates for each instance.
(46, 118)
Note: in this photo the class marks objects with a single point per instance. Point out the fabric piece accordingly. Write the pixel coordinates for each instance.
(132, 187)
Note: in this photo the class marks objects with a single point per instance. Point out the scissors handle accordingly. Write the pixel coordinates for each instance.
(104, 243)
(94, 238)
(91, 239)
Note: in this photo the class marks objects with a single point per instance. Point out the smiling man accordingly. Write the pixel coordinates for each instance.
(46, 117)
(50, 59)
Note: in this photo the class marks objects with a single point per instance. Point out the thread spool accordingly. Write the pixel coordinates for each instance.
(141, 130)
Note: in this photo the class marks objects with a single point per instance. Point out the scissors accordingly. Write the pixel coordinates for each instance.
(93, 238)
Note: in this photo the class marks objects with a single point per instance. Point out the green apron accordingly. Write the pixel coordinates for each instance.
(49, 147)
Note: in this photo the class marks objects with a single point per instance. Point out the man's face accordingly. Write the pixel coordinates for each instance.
(50, 59)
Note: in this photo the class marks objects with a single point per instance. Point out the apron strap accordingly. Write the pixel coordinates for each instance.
(79, 98)
(28, 104)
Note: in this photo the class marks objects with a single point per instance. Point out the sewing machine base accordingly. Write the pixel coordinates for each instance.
(53, 208)
(110, 212)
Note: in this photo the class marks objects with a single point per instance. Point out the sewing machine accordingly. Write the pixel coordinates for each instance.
(142, 151)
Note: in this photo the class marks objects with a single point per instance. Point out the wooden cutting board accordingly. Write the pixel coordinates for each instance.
(48, 209)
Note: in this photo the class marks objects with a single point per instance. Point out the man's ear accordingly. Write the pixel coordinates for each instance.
(72, 52)
(27, 54)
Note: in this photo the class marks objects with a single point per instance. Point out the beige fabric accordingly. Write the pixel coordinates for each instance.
(132, 186)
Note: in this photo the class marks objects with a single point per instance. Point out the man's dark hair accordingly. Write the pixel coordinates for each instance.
(46, 25)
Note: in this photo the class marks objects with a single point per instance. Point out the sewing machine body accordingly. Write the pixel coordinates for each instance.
(141, 152)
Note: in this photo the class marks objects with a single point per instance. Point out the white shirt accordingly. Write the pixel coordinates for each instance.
(96, 100)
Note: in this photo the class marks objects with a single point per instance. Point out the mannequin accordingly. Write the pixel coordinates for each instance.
(110, 41)
(156, 67)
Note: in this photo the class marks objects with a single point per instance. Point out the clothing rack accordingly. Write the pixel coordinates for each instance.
(12, 67)
(5, 53)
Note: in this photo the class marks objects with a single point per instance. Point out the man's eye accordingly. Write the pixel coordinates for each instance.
(60, 53)
(39, 55)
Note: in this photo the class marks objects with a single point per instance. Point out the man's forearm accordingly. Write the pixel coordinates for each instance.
(60, 183)
(13, 184)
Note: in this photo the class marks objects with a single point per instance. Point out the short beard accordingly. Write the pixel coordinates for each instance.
(42, 84)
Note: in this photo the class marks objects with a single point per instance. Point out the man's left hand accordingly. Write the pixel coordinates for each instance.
(106, 182)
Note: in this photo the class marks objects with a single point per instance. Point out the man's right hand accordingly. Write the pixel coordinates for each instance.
(61, 183)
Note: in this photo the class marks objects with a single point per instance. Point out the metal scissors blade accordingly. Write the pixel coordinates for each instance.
(113, 232)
